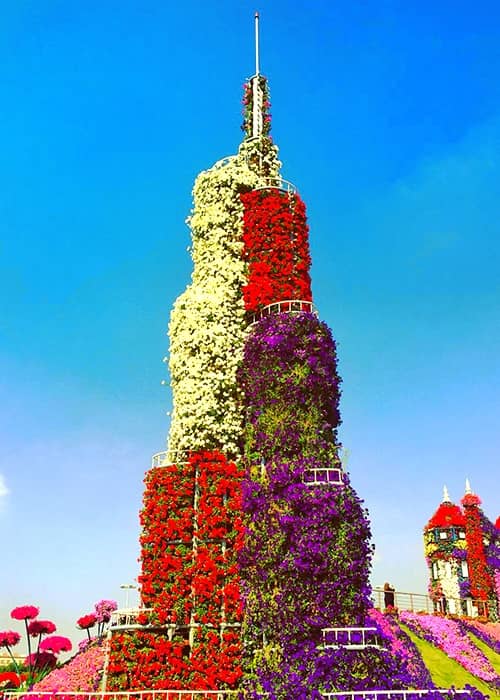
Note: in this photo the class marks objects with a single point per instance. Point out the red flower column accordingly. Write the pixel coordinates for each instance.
(481, 582)
(276, 248)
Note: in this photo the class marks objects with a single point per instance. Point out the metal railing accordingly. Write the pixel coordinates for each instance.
(277, 183)
(286, 306)
(349, 637)
(324, 475)
(394, 694)
(415, 694)
(168, 458)
(421, 602)
(123, 695)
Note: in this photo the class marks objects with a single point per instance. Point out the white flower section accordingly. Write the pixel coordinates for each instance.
(207, 323)
(448, 577)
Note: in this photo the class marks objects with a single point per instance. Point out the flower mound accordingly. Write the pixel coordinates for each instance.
(81, 673)
(448, 635)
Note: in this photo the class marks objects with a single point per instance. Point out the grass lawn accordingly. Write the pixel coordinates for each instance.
(446, 672)
(491, 655)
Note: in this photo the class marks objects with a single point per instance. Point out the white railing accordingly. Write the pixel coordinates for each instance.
(420, 602)
(127, 618)
(413, 694)
(324, 475)
(287, 306)
(168, 458)
(349, 637)
(123, 695)
(393, 694)
(277, 183)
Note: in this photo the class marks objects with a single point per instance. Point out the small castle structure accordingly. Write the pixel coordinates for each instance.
(462, 549)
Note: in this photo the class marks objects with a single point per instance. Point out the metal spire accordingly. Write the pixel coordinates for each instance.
(256, 43)
(467, 486)
(446, 495)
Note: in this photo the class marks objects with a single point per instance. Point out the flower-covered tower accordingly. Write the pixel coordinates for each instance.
(255, 549)
(483, 555)
(462, 549)
(446, 556)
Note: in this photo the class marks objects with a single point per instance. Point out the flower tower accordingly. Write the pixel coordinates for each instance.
(462, 549)
(255, 549)
(483, 555)
(446, 556)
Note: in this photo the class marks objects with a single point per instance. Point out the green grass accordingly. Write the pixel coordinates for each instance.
(446, 672)
(491, 655)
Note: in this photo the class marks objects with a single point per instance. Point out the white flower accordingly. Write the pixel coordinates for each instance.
(207, 323)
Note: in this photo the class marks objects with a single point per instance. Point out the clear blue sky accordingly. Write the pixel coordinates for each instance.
(387, 114)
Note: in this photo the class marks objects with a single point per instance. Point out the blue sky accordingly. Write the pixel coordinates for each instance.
(387, 115)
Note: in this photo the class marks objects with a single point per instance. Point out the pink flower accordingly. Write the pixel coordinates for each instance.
(43, 659)
(24, 612)
(104, 608)
(9, 639)
(86, 621)
(37, 627)
(56, 644)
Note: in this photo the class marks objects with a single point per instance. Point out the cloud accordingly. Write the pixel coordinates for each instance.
(3, 490)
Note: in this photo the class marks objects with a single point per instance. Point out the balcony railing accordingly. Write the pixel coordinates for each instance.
(287, 306)
(169, 458)
(124, 695)
(324, 475)
(277, 183)
(396, 694)
(420, 602)
(349, 637)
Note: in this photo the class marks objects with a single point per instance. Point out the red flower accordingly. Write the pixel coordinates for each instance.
(38, 627)
(86, 621)
(24, 612)
(8, 679)
(9, 639)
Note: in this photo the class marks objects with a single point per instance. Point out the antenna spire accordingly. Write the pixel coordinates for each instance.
(256, 43)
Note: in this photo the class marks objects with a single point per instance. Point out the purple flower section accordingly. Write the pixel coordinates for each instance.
(306, 557)
(291, 386)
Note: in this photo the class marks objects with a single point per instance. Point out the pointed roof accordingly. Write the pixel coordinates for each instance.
(447, 515)
(470, 498)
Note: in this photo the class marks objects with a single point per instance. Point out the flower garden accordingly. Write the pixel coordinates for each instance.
(255, 546)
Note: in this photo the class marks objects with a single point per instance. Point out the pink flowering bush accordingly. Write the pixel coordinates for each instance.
(401, 645)
(488, 632)
(81, 673)
(450, 638)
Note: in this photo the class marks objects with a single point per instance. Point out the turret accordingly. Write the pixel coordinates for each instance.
(445, 552)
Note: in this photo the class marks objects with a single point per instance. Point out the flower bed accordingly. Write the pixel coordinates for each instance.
(447, 634)
(82, 672)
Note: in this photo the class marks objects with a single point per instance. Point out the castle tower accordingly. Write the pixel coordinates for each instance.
(446, 556)
(462, 549)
